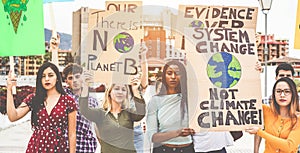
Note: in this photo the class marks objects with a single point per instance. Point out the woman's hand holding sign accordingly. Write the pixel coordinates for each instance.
(185, 132)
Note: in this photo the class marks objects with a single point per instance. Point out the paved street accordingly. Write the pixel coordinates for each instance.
(15, 138)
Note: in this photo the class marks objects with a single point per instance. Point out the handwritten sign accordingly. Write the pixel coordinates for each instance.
(224, 87)
(112, 46)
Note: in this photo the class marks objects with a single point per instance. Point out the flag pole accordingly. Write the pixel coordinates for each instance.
(54, 34)
(12, 69)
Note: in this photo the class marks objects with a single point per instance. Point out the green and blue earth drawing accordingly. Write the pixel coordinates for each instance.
(224, 70)
(123, 42)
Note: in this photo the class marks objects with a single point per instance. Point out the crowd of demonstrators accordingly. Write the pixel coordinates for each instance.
(53, 112)
(281, 119)
(86, 139)
(60, 126)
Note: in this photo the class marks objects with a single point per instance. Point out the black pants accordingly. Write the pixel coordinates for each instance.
(165, 149)
(223, 150)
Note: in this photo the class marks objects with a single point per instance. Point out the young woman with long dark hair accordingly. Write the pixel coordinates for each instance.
(167, 117)
(53, 113)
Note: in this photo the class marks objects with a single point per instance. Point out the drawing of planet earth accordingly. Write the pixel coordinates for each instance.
(123, 42)
(224, 70)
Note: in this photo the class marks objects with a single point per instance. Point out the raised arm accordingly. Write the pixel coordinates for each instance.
(14, 113)
(54, 47)
(140, 110)
(92, 114)
(140, 107)
(144, 66)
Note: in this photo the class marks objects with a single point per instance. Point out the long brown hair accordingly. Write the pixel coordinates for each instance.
(294, 104)
(181, 88)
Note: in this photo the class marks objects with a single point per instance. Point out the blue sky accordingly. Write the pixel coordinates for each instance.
(281, 18)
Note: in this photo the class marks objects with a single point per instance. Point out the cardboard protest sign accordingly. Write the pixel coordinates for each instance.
(224, 87)
(21, 28)
(112, 46)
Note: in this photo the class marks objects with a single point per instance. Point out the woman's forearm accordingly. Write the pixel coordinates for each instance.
(14, 113)
(165, 136)
(10, 107)
(92, 114)
(285, 144)
(140, 109)
(257, 141)
(72, 131)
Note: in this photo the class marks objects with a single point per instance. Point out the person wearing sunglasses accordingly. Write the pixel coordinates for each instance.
(281, 119)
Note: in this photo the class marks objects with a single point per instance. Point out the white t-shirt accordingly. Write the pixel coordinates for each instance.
(210, 141)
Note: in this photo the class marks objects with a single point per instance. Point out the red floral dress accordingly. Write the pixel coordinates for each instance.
(49, 135)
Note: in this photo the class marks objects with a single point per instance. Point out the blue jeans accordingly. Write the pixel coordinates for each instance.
(138, 139)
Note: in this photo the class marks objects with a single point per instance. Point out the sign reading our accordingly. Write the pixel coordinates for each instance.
(124, 7)
(224, 87)
(113, 42)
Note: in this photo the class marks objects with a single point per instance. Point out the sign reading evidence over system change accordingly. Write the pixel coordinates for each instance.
(224, 87)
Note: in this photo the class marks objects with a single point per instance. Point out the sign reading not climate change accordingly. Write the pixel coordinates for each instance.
(224, 87)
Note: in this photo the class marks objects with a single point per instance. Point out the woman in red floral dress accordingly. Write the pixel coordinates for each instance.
(53, 113)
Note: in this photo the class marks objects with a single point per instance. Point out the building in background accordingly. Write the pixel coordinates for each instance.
(29, 65)
(276, 47)
(159, 36)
